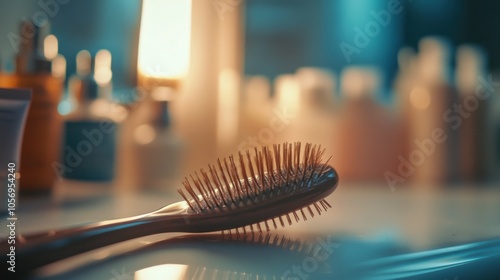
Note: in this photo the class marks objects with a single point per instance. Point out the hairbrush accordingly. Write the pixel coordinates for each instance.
(256, 190)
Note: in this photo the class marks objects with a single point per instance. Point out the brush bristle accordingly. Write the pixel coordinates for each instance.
(283, 220)
(268, 239)
(256, 176)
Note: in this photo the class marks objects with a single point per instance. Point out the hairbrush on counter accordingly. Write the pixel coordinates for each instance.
(253, 191)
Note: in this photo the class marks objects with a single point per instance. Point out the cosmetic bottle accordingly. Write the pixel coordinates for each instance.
(59, 67)
(287, 110)
(287, 93)
(103, 74)
(317, 123)
(89, 148)
(433, 156)
(256, 106)
(472, 119)
(42, 138)
(66, 105)
(73, 94)
(317, 89)
(157, 147)
(404, 83)
(367, 142)
(405, 80)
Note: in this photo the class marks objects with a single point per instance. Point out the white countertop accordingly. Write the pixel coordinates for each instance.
(409, 218)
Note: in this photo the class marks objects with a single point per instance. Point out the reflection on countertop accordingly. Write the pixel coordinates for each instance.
(366, 223)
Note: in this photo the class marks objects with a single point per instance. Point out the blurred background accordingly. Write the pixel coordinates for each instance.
(131, 96)
(397, 92)
(368, 80)
(371, 81)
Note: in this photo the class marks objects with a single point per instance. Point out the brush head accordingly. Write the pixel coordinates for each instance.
(263, 188)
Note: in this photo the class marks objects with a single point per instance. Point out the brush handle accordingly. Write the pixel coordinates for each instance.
(285, 199)
(37, 250)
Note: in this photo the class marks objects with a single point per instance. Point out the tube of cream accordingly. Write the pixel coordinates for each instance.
(13, 110)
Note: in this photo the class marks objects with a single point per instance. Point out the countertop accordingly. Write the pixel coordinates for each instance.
(365, 223)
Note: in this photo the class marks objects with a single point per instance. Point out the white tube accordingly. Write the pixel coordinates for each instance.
(13, 111)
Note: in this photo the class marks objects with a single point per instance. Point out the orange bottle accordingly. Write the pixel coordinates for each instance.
(42, 137)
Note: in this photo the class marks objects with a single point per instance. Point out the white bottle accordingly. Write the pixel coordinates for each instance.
(157, 148)
(367, 139)
(433, 141)
(475, 130)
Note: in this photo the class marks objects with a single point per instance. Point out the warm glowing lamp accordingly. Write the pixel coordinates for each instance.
(164, 42)
(163, 60)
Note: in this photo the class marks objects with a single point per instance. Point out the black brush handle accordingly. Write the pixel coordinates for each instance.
(37, 250)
